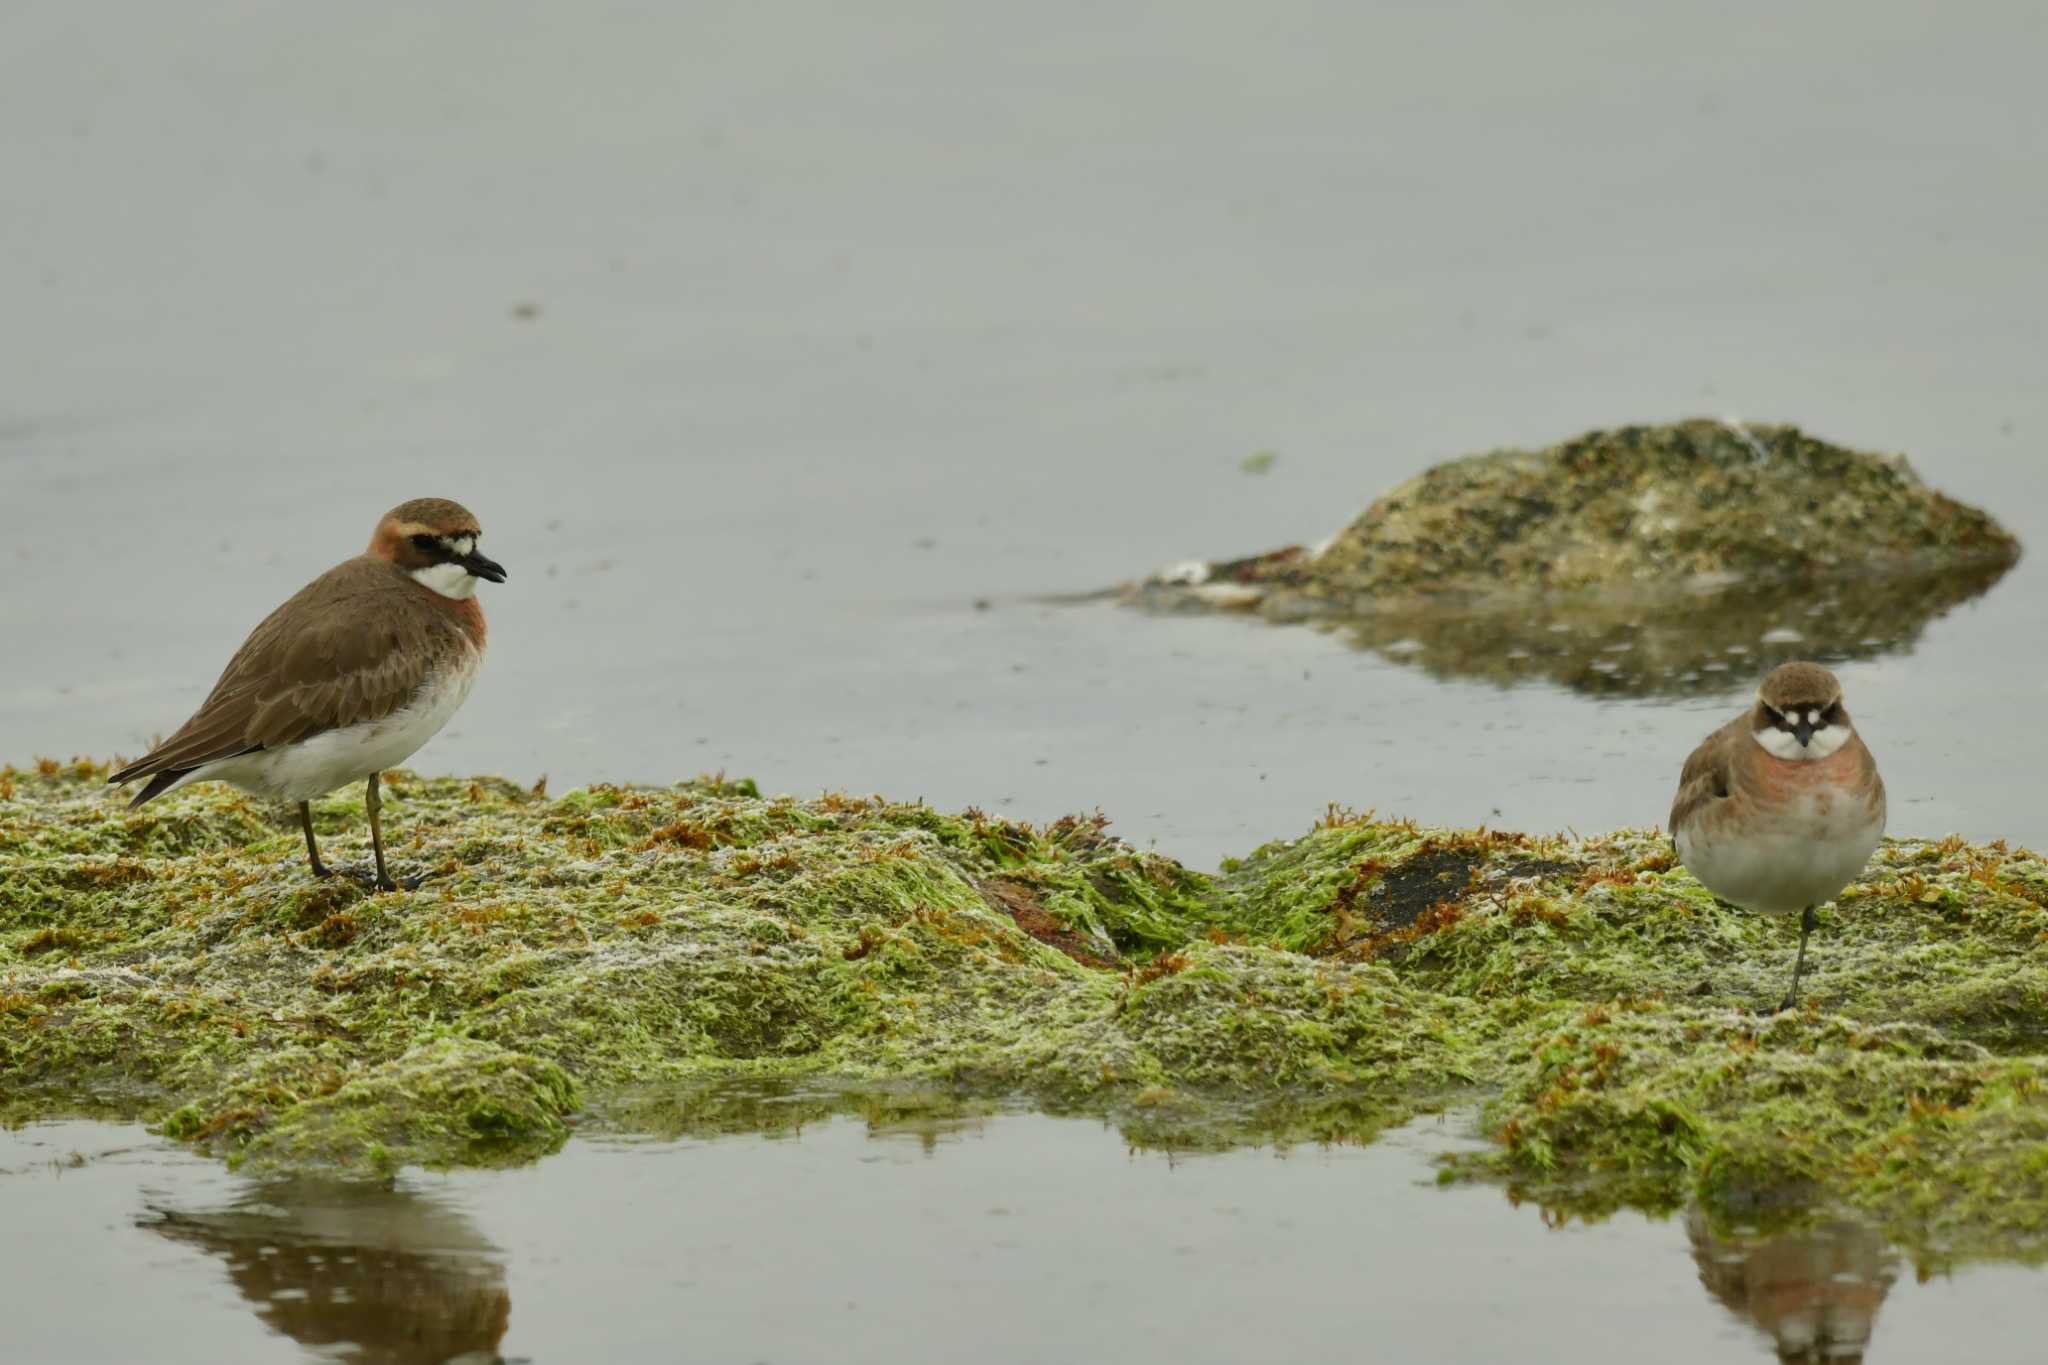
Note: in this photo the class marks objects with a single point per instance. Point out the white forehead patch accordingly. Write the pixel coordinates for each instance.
(1812, 717)
(450, 580)
(462, 545)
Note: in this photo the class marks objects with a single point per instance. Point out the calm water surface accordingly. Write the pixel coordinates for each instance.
(845, 321)
(1017, 1238)
(768, 341)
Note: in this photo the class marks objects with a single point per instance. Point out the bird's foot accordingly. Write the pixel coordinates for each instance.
(371, 880)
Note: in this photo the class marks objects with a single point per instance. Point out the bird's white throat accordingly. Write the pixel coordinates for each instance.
(450, 580)
(1783, 744)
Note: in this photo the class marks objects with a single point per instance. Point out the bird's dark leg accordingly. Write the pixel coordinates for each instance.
(384, 882)
(1807, 920)
(320, 869)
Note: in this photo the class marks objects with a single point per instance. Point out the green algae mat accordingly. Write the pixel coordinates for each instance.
(661, 959)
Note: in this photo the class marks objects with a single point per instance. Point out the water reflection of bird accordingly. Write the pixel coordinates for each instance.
(370, 1275)
(1814, 1292)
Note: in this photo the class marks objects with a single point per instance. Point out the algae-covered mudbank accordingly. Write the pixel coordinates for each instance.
(654, 957)
(1640, 560)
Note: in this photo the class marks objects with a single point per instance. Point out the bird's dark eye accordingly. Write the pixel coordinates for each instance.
(427, 543)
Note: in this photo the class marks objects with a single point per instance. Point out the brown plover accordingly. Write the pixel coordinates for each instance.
(1780, 808)
(360, 668)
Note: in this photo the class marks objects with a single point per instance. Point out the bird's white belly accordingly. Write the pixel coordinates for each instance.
(349, 753)
(1799, 859)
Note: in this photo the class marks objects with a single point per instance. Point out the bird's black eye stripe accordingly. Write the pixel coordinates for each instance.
(426, 543)
(1791, 716)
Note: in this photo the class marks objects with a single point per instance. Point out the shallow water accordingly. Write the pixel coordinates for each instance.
(844, 325)
(791, 354)
(1012, 1238)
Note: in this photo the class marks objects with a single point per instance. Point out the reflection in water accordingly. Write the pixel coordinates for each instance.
(778, 1107)
(1702, 638)
(1814, 1292)
(820, 1248)
(1708, 640)
(1158, 1121)
(373, 1275)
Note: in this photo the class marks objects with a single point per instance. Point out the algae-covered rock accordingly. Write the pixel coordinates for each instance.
(1645, 559)
(702, 958)
(454, 1101)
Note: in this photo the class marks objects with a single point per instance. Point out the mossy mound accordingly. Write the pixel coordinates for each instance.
(1909, 1125)
(1640, 560)
(701, 957)
(1653, 504)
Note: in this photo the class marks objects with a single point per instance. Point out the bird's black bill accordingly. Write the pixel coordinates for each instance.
(483, 568)
(1803, 733)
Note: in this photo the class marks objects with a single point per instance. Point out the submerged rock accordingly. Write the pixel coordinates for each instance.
(701, 958)
(1639, 560)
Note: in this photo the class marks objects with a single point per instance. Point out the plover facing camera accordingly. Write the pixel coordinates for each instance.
(1780, 808)
(360, 668)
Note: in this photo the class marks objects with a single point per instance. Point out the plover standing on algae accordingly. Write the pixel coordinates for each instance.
(360, 668)
(1780, 808)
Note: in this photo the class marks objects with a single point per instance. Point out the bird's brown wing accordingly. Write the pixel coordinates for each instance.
(314, 664)
(1705, 778)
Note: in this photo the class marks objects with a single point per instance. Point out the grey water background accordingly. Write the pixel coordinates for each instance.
(847, 318)
(767, 341)
(1015, 1239)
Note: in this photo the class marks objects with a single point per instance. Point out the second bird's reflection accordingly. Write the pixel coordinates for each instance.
(1814, 1292)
